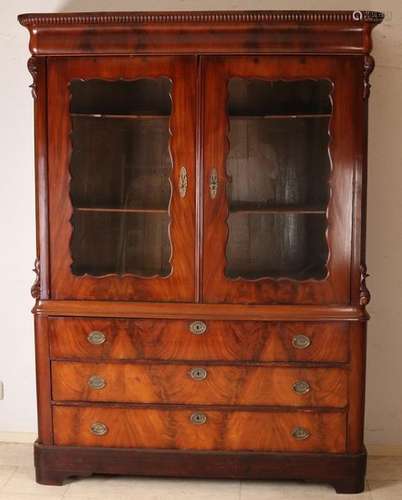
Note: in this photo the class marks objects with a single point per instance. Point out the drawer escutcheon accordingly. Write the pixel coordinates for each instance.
(300, 433)
(301, 342)
(96, 382)
(99, 429)
(198, 373)
(96, 337)
(301, 387)
(198, 327)
(198, 418)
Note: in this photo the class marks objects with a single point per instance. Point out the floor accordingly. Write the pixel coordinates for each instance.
(384, 482)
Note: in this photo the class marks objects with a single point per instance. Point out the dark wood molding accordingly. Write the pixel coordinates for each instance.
(368, 67)
(270, 17)
(364, 292)
(286, 32)
(345, 472)
(93, 308)
(35, 289)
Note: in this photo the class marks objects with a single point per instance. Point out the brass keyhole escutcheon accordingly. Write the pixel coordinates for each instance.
(300, 433)
(301, 387)
(198, 418)
(96, 337)
(96, 382)
(99, 429)
(198, 327)
(198, 373)
(301, 341)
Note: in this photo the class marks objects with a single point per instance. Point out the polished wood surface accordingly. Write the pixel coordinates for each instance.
(173, 340)
(164, 383)
(179, 285)
(336, 32)
(116, 309)
(251, 365)
(222, 430)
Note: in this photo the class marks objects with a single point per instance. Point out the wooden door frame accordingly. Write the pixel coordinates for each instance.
(179, 286)
(345, 156)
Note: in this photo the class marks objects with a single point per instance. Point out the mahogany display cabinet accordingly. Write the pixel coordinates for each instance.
(201, 278)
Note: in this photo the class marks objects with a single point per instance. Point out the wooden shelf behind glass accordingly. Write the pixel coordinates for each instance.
(276, 117)
(258, 208)
(141, 210)
(120, 116)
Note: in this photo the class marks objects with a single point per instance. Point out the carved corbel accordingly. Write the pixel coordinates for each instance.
(368, 67)
(33, 69)
(35, 289)
(364, 292)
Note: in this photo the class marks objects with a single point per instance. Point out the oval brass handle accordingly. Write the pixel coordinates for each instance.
(198, 418)
(96, 337)
(301, 341)
(300, 433)
(198, 373)
(99, 429)
(301, 387)
(198, 327)
(96, 382)
(213, 183)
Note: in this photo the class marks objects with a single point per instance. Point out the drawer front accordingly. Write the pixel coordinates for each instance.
(200, 430)
(197, 384)
(185, 340)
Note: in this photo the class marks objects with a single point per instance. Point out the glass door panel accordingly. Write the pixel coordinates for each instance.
(120, 170)
(122, 166)
(279, 168)
(272, 153)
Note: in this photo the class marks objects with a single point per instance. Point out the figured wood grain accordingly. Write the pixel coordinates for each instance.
(223, 430)
(179, 285)
(164, 383)
(201, 32)
(172, 340)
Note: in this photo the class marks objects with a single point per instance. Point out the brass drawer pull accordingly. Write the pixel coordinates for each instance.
(96, 337)
(198, 418)
(198, 373)
(301, 387)
(301, 341)
(96, 382)
(300, 433)
(198, 327)
(183, 182)
(99, 429)
(213, 184)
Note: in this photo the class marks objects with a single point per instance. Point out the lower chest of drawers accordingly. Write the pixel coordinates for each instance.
(215, 385)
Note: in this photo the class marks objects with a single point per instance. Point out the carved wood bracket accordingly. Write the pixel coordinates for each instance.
(364, 292)
(35, 289)
(368, 67)
(33, 69)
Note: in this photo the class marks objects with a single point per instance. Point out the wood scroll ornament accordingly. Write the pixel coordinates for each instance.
(364, 292)
(35, 289)
(33, 69)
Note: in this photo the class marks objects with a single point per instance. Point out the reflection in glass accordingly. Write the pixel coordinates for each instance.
(120, 169)
(279, 169)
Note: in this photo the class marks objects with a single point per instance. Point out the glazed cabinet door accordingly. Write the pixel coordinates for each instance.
(280, 145)
(122, 178)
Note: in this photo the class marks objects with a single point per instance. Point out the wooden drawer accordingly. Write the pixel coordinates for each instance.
(222, 341)
(194, 384)
(222, 430)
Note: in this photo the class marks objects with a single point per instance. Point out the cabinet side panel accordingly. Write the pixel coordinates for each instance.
(356, 387)
(43, 383)
(37, 67)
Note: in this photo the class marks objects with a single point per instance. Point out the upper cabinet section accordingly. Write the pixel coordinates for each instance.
(277, 32)
(122, 178)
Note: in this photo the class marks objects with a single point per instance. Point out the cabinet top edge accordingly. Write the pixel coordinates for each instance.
(282, 17)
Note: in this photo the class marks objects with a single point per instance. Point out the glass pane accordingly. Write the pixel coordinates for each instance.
(120, 169)
(279, 169)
